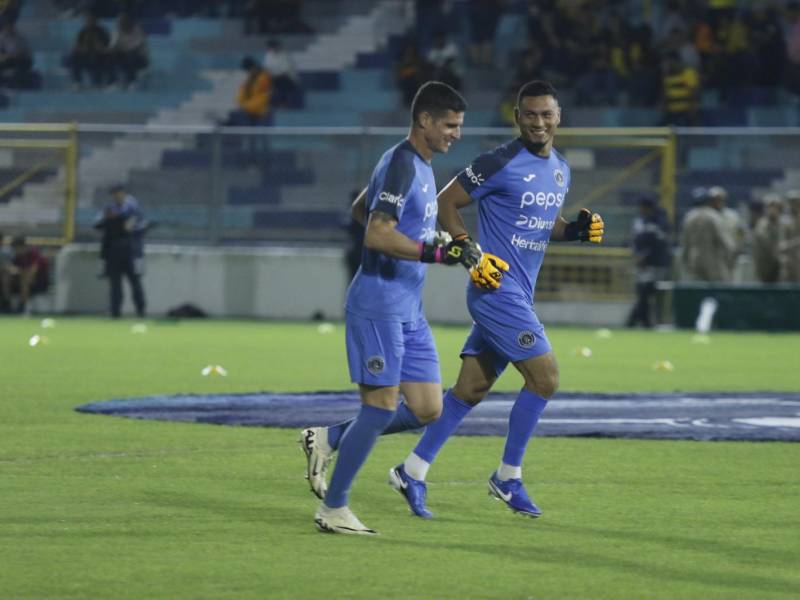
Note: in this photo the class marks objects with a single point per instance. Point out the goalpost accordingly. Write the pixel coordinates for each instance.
(611, 169)
(38, 181)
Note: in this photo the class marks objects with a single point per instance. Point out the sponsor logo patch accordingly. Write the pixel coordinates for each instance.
(475, 178)
(558, 174)
(526, 339)
(396, 199)
(376, 364)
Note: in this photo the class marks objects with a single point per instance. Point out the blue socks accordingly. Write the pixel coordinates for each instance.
(404, 420)
(438, 432)
(521, 423)
(354, 447)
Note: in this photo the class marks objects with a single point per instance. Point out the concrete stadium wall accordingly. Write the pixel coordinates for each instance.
(277, 283)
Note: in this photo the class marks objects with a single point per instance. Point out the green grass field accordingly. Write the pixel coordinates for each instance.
(102, 507)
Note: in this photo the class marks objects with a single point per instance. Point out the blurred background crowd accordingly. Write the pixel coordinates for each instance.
(698, 66)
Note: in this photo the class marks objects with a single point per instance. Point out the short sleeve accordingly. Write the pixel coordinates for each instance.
(390, 196)
(475, 179)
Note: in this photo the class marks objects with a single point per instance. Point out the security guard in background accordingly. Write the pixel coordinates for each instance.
(123, 227)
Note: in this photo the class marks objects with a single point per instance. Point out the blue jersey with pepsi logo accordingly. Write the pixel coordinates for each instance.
(520, 195)
(386, 288)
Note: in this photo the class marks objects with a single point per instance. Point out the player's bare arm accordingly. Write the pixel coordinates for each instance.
(382, 236)
(358, 210)
(486, 270)
(450, 200)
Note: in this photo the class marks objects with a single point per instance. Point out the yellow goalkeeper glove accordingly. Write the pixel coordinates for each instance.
(588, 227)
(488, 273)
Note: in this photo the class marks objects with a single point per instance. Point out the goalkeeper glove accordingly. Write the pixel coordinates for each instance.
(461, 250)
(434, 252)
(488, 273)
(588, 227)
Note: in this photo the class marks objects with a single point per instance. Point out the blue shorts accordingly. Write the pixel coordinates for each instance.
(505, 326)
(384, 353)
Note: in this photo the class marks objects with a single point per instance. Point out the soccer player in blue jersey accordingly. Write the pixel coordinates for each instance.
(390, 347)
(520, 188)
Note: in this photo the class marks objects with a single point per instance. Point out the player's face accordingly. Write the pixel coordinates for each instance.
(538, 118)
(445, 130)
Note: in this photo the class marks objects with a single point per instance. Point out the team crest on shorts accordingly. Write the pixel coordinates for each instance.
(526, 339)
(376, 364)
(558, 174)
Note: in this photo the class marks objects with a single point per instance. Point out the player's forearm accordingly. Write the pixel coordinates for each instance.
(384, 238)
(358, 210)
(557, 235)
(450, 200)
(451, 221)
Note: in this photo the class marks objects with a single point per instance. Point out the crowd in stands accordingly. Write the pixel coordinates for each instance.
(108, 59)
(606, 54)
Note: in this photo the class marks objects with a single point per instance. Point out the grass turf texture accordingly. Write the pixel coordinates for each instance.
(102, 507)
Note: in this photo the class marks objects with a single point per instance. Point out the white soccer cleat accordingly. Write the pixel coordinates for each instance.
(340, 520)
(314, 442)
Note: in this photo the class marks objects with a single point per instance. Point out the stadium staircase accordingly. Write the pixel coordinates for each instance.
(192, 80)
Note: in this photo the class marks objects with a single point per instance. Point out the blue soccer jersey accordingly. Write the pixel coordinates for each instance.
(385, 288)
(520, 195)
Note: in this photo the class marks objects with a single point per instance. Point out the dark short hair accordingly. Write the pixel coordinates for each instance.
(117, 187)
(18, 241)
(536, 88)
(436, 98)
(248, 62)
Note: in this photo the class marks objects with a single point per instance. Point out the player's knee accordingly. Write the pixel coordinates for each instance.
(429, 414)
(545, 386)
(471, 394)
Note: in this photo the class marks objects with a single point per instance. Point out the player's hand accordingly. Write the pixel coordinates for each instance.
(462, 250)
(590, 226)
(441, 238)
(488, 273)
(444, 249)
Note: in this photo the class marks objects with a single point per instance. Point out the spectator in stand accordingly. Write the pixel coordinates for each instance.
(429, 16)
(442, 50)
(598, 83)
(766, 240)
(789, 246)
(483, 17)
(91, 53)
(792, 29)
(9, 10)
(410, 72)
(443, 61)
(652, 255)
(643, 68)
(737, 61)
(705, 244)
(128, 50)
(680, 92)
(285, 82)
(257, 17)
(674, 17)
(551, 30)
(254, 96)
(529, 67)
(275, 16)
(768, 45)
(15, 57)
(27, 275)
